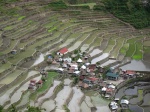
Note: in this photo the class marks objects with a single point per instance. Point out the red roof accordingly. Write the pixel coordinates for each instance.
(92, 78)
(82, 77)
(130, 72)
(32, 81)
(40, 82)
(63, 50)
(82, 84)
(92, 67)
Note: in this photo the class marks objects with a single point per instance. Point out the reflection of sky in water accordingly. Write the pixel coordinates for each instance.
(39, 60)
(135, 108)
(99, 58)
(137, 66)
(94, 52)
(120, 93)
(146, 99)
(131, 91)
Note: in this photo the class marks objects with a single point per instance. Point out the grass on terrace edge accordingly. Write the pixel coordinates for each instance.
(146, 49)
(140, 94)
(21, 18)
(124, 49)
(138, 53)
(45, 86)
(91, 5)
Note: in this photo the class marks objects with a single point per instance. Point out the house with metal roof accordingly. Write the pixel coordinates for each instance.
(112, 76)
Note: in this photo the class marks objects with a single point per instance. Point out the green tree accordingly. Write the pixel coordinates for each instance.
(1, 108)
(75, 80)
(35, 109)
(12, 109)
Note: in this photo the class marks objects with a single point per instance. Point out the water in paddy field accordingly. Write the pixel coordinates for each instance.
(107, 63)
(85, 108)
(131, 91)
(5, 96)
(101, 57)
(17, 95)
(75, 46)
(49, 93)
(137, 66)
(135, 108)
(120, 93)
(39, 60)
(63, 96)
(84, 47)
(74, 104)
(100, 103)
(48, 105)
(95, 52)
(146, 100)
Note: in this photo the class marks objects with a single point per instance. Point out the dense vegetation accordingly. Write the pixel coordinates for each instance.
(79, 1)
(135, 12)
(57, 5)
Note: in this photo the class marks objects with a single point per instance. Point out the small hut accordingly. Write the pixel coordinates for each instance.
(39, 83)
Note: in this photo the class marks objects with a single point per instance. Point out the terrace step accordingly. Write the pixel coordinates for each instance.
(63, 97)
(100, 58)
(4, 98)
(17, 96)
(84, 107)
(79, 42)
(5, 43)
(107, 63)
(94, 52)
(49, 93)
(78, 97)
(88, 101)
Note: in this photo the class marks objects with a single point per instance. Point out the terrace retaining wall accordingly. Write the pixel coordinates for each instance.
(3, 88)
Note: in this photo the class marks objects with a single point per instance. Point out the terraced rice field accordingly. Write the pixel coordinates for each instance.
(26, 38)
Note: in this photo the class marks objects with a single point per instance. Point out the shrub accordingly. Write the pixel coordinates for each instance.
(75, 80)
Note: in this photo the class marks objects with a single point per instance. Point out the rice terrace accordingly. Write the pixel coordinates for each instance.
(74, 56)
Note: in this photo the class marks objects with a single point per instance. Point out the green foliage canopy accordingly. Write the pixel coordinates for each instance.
(135, 12)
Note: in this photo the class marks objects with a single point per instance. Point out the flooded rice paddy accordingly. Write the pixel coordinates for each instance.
(11, 77)
(99, 58)
(74, 104)
(107, 63)
(5, 96)
(49, 105)
(84, 107)
(95, 52)
(139, 102)
(137, 66)
(49, 93)
(17, 95)
(131, 91)
(63, 96)
(100, 103)
(146, 100)
(84, 47)
(39, 60)
(136, 108)
(25, 99)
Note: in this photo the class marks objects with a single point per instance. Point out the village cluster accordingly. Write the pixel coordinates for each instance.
(86, 75)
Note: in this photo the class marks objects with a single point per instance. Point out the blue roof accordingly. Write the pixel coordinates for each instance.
(49, 56)
(112, 74)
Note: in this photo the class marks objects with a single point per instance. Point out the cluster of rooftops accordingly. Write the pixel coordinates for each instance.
(90, 75)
